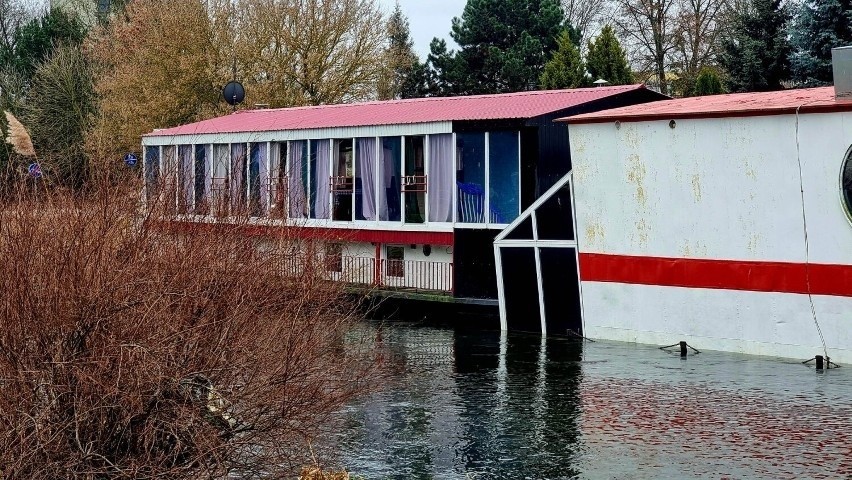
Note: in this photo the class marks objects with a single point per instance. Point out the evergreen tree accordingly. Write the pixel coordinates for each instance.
(444, 75)
(504, 45)
(405, 77)
(755, 51)
(35, 41)
(61, 103)
(565, 68)
(607, 60)
(707, 82)
(819, 26)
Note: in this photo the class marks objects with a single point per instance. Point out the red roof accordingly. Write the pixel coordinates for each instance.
(809, 100)
(420, 110)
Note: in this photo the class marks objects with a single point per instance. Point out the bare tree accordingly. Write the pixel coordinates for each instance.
(136, 347)
(13, 14)
(649, 28)
(584, 15)
(698, 29)
(309, 52)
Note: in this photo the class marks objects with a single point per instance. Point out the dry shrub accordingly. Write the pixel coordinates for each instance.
(127, 351)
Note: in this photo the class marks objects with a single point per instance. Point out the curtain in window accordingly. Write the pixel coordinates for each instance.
(296, 188)
(321, 187)
(238, 173)
(366, 150)
(440, 178)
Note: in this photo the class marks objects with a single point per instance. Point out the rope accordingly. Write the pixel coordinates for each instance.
(807, 244)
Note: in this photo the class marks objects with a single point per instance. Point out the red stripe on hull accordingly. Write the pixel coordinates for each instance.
(753, 276)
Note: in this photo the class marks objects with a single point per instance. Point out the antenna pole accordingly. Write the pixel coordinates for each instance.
(234, 78)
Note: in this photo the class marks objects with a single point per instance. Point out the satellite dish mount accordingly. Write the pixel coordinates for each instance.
(234, 92)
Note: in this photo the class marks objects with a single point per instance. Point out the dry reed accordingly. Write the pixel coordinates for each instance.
(18, 137)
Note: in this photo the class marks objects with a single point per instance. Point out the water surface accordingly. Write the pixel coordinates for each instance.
(468, 404)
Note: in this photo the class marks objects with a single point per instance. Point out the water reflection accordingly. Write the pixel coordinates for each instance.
(486, 405)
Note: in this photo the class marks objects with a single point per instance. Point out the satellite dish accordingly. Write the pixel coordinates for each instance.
(234, 93)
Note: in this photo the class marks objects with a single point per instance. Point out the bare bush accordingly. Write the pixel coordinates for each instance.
(131, 348)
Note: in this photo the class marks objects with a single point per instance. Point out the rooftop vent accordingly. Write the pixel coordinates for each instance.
(841, 62)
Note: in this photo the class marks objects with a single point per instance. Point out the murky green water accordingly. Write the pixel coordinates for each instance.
(477, 405)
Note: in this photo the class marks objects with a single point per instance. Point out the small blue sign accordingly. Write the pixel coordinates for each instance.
(130, 160)
(34, 170)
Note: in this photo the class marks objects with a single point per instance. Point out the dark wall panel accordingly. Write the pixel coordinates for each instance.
(554, 145)
(520, 286)
(561, 291)
(473, 263)
(529, 164)
(555, 218)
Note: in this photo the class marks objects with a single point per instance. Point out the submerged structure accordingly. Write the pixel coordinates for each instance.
(405, 195)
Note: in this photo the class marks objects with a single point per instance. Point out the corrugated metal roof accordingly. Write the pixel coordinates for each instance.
(807, 100)
(421, 110)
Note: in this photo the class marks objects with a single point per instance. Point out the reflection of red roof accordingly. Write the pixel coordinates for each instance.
(810, 100)
(421, 110)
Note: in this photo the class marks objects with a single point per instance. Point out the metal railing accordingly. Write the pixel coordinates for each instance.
(414, 275)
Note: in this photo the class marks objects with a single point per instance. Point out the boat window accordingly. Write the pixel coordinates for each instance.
(201, 180)
(503, 176)
(846, 183)
(390, 175)
(342, 182)
(396, 261)
(470, 177)
(333, 257)
(414, 181)
(152, 171)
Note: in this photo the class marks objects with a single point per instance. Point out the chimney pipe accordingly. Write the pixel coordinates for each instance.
(841, 63)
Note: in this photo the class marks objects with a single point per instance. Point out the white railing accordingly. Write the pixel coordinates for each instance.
(414, 275)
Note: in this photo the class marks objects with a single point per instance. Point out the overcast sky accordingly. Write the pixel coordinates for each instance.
(428, 19)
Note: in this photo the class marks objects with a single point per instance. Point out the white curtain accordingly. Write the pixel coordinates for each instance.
(440, 178)
(296, 187)
(238, 172)
(366, 150)
(321, 149)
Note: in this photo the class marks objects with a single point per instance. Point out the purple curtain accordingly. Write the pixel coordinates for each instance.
(238, 172)
(263, 174)
(185, 175)
(296, 187)
(440, 178)
(321, 176)
(366, 150)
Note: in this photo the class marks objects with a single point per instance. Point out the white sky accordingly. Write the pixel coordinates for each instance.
(428, 19)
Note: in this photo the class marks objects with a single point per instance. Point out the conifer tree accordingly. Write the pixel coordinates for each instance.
(755, 51)
(819, 26)
(504, 45)
(606, 59)
(405, 75)
(565, 68)
(707, 82)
